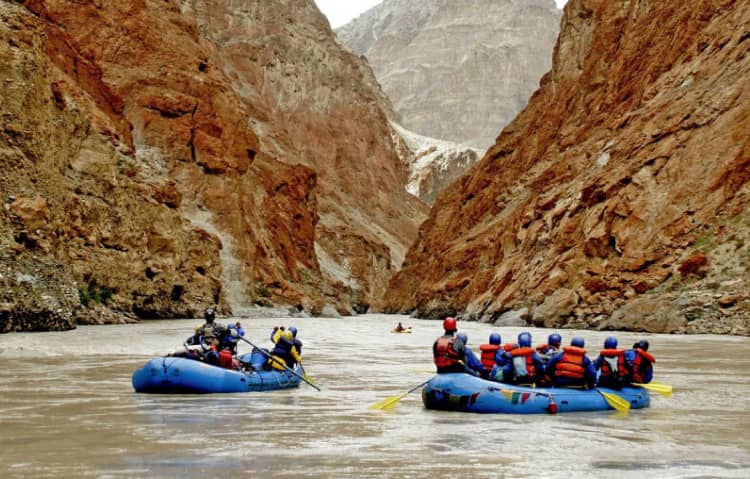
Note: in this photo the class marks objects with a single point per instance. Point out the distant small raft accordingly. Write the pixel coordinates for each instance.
(172, 375)
(465, 393)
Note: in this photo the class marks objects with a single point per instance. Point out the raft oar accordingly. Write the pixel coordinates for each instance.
(617, 402)
(390, 402)
(279, 362)
(304, 373)
(663, 389)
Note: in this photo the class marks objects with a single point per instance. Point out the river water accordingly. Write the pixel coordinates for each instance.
(69, 411)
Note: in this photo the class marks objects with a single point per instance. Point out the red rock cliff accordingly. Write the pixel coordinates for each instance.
(160, 177)
(619, 197)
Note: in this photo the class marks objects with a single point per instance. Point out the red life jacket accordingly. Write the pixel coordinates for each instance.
(643, 360)
(445, 356)
(527, 353)
(508, 347)
(571, 363)
(606, 369)
(488, 355)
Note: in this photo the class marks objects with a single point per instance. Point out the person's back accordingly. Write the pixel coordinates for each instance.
(448, 351)
(523, 365)
(209, 333)
(284, 353)
(488, 352)
(611, 365)
(297, 342)
(472, 364)
(571, 368)
(641, 363)
(552, 347)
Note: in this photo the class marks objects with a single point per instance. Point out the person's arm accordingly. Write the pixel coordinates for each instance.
(649, 374)
(474, 362)
(295, 355)
(589, 373)
(598, 362)
(538, 365)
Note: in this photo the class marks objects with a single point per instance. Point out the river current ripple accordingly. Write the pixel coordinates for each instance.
(69, 411)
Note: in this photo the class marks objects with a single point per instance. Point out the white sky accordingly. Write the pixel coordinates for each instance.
(339, 12)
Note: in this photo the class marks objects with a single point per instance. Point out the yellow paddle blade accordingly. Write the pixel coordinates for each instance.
(388, 403)
(663, 389)
(618, 403)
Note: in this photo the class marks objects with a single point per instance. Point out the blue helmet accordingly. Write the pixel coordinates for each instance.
(524, 340)
(293, 330)
(554, 339)
(577, 342)
(610, 342)
(642, 344)
(463, 337)
(495, 338)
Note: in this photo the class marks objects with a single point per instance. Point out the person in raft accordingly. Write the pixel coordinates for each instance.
(297, 342)
(522, 365)
(449, 351)
(571, 368)
(552, 347)
(611, 366)
(232, 337)
(400, 327)
(472, 361)
(641, 363)
(284, 354)
(488, 352)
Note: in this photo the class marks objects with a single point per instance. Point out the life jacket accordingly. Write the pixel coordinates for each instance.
(445, 356)
(508, 347)
(225, 359)
(283, 353)
(523, 362)
(613, 363)
(641, 364)
(488, 355)
(571, 363)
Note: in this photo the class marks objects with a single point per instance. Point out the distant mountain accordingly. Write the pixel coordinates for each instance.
(457, 70)
(433, 164)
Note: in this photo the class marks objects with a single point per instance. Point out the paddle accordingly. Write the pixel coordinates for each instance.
(279, 362)
(390, 402)
(663, 389)
(304, 373)
(617, 402)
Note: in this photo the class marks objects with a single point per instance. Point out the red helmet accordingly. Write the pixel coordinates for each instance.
(449, 324)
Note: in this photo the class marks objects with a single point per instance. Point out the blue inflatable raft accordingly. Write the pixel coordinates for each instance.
(466, 393)
(175, 375)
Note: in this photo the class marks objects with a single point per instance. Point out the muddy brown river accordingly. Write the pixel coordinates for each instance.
(69, 411)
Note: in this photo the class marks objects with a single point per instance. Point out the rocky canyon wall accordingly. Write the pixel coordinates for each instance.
(618, 199)
(145, 174)
(457, 70)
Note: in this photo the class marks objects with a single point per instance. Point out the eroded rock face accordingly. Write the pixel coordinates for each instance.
(139, 155)
(625, 182)
(457, 70)
(318, 105)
